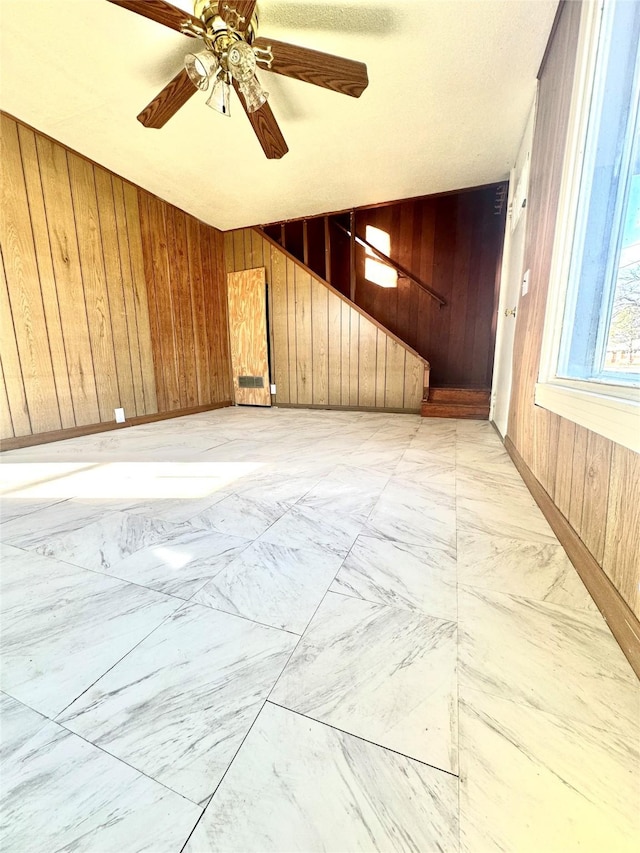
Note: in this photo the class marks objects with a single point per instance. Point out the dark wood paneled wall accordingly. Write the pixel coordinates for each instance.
(453, 244)
(109, 297)
(325, 352)
(593, 482)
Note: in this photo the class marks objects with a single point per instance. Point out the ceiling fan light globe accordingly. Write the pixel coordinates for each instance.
(241, 61)
(254, 95)
(201, 67)
(220, 97)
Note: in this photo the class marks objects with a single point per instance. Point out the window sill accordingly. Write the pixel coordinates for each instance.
(612, 417)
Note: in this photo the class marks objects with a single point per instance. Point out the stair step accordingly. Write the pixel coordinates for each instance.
(467, 396)
(454, 410)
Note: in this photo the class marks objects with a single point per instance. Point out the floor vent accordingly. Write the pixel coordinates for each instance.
(251, 381)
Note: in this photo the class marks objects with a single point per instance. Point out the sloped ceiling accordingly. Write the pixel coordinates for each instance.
(451, 83)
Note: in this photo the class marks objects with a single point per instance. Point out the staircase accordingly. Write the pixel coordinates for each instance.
(456, 403)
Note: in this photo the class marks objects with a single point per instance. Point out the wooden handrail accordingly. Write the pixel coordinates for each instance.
(396, 266)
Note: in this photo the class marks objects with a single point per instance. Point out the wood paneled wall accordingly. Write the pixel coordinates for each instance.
(593, 482)
(109, 297)
(324, 352)
(452, 243)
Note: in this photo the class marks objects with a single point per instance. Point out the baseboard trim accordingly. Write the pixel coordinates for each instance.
(388, 410)
(622, 622)
(90, 429)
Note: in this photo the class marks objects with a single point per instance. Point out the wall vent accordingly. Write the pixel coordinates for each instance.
(250, 381)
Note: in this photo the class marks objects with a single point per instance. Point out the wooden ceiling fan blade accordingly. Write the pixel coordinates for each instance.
(163, 13)
(167, 102)
(237, 14)
(265, 127)
(321, 69)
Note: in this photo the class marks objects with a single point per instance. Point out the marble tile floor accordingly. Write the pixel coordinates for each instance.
(289, 630)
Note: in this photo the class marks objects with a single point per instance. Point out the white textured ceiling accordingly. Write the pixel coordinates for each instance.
(450, 86)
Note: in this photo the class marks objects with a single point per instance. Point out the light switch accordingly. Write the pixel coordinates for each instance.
(119, 413)
(525, 282)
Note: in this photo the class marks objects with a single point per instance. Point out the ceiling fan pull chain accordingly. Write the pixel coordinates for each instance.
(264, 55)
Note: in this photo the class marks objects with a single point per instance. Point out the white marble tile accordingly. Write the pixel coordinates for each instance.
(182, 565)
(383, 673)
(407, 514)
(557, 659)
(400, 575)
(528, 569)
(62, 793)
(504, 514)
(40, 527)
(11, 508)
(240, 515)
(298, 785)
(63, 626)
(303, 528)
(18, 724)
(277, 586)
(533, 781)
(109, 540)
(427, 469)
(178, 706)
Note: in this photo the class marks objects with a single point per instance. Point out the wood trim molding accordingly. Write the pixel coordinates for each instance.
(387, 409)
(90, 429)
(621, 620)
(271, 241)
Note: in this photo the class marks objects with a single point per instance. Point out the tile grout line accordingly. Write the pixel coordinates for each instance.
(360, 737)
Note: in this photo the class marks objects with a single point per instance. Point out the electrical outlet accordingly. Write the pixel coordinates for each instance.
(525, 283)
(273, 389)
(119, 413)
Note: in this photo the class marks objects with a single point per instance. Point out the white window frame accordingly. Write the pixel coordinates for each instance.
(607, 409)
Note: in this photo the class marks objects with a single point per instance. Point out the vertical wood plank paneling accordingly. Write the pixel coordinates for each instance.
(621, 559)
(564, 467)
(212, 307)
(23, 284)
(304, 340)
(367, 364)
(291, 329)
(11, 367)
(85, 206)
(69, 284)
(596, 494)
(147, 237)
(145, 348)
(334, 333)
(129, 294)
(578, 477)
(240, 262)
(320, 343)
(198, 315)
(345, 345)
(354, 356)
(229, 256)
(381, 368)
(31, 170)
(279, 320)
(413, 382)
(394, 380)
(120, 320)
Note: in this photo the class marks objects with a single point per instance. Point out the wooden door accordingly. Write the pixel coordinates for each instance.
(248, 333)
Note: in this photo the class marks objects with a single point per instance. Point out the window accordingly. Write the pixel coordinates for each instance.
(376, 270)
(591, 359)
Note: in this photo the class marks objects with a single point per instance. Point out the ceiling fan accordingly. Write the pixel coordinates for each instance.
(230, 54)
